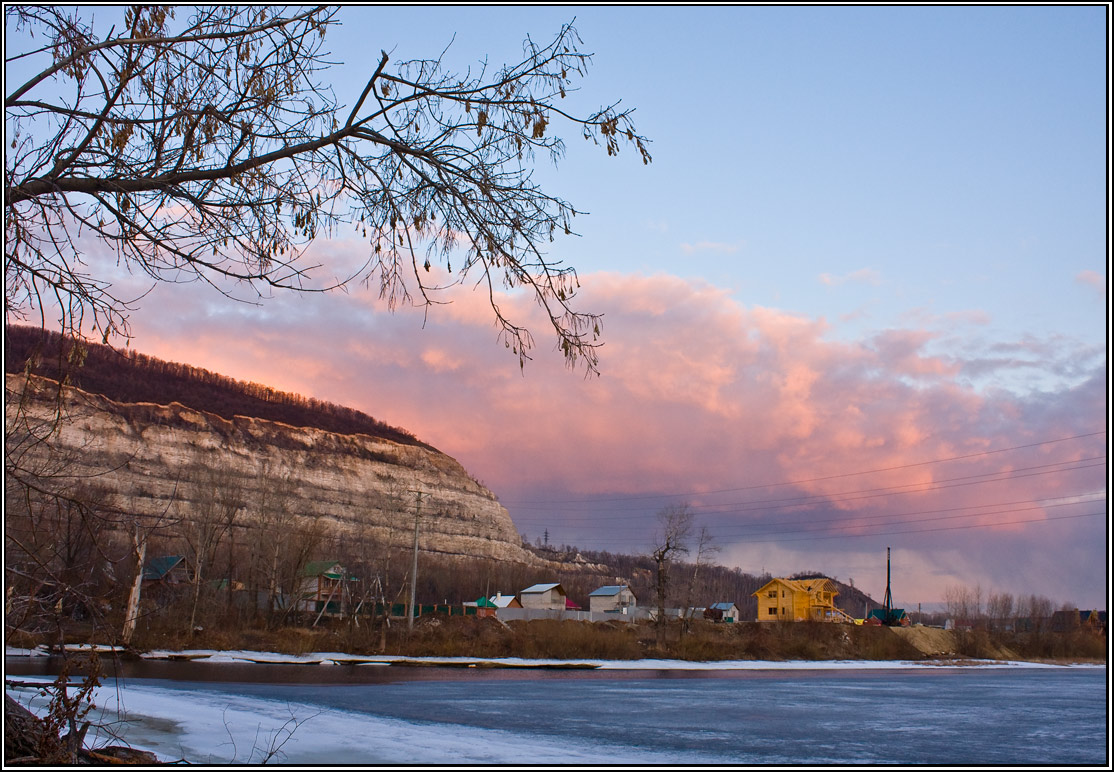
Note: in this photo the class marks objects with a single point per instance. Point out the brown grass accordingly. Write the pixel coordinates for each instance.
(553, 639)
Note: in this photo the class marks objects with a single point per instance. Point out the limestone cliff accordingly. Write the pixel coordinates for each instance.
(152, 457)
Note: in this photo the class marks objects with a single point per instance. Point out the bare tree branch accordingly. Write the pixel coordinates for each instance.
(212, 150)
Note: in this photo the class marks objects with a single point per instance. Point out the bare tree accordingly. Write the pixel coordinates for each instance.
(705, 549)
(213, 149)
(204, 528)
(999, 610)
(671, 539)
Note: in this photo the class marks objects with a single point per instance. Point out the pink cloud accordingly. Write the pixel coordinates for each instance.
(1092, 279)
(698, 394)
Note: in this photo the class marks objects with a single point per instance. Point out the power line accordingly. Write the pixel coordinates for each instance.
(779, 539)
(527, 502)
(759, 505)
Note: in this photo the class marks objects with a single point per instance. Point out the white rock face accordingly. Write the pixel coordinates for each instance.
(152, 457)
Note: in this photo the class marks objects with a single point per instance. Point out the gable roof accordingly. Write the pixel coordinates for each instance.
(813, 584)
(723, 606)
(322, 568)
(505, 601)
(158, 568)
(537, 588)
(608, 590)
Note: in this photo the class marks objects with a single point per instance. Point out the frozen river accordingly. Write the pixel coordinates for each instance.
(835, 715)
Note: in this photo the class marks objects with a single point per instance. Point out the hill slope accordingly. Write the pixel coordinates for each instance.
(127, 376)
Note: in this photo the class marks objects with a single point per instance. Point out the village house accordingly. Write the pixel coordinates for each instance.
(321, 587)
(505, 601)
(168, 569)
(485, 607)
(544, 596)
(616, 599)
(799, 600)
(722, 612)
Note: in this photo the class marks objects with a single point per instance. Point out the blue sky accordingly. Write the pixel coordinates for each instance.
(870, 238)
(945, 158)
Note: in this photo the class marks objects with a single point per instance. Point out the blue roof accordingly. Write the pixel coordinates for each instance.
(723, 606)
(611, 589)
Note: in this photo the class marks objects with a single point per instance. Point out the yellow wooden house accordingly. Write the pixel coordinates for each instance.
(799, 600)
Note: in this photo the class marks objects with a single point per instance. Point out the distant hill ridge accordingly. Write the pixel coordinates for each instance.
(127, 376)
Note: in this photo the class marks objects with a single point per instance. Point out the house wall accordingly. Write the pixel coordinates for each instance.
(779, 607)
(550, 599)
(623, 599)
(792, 604)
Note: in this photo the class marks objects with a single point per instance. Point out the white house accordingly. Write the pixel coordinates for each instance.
(615, 598)
(723, 612)
(505, 601)
(544, 596)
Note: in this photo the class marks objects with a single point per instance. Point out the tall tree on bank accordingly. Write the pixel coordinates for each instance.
(671, 539)
(212, 148)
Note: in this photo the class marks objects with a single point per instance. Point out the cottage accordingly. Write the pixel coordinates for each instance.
(505, 601)
(321, 587)
(615, 598)
(722, 612)
(485, 607)
(168, 569)
(544, 596)
(799, 600)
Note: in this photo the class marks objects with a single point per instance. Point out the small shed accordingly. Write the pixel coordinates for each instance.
(505, 601)
(722, 612)
(485, 607)
(616, 598)
(168, 569)
(550, 596)
(898, 617)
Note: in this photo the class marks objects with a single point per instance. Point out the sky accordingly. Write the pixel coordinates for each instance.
(858, 301)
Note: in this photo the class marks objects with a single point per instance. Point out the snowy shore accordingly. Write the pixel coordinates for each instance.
(204, 724)
(338, 658)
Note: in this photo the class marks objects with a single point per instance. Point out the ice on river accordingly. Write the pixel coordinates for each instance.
(657, 712)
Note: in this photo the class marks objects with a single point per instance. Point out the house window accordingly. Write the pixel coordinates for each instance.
(773, 611)
(771, 594)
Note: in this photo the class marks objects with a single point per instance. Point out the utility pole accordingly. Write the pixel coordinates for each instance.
(414, 570)
(888, 602)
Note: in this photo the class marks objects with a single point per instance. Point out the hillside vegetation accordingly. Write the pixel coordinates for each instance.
(130, 377)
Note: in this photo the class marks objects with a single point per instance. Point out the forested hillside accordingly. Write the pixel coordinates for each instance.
(128, 376)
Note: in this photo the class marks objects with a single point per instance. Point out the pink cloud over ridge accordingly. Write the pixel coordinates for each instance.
(698, 394)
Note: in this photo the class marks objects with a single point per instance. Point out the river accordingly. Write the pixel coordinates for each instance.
(379, 715)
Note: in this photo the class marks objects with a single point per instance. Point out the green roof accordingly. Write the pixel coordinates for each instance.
(320, 567)
(157, 568)
(485, 603)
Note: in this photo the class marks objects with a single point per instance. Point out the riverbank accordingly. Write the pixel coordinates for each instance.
(563, 641)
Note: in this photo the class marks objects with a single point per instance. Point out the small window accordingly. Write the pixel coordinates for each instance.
(773, 611)
(771, 594)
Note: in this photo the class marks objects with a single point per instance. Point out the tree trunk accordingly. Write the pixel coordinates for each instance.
(132, 614)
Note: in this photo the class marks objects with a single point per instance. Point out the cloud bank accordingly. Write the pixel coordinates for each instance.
(799, 452)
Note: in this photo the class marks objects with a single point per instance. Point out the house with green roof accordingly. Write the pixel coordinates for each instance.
(322, 587)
